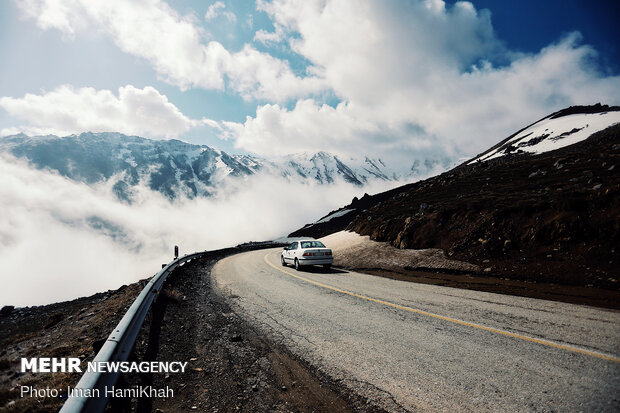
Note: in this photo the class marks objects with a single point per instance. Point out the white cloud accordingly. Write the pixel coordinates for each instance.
(409, 75)
(266, 37)
(258, 75)
(310, 127)
(307, 126)
(54, 219)
(217, 9)
(416, 74)
(67, 110)
(175, 45)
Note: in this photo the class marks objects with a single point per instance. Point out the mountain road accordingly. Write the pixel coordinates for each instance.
(411, 347)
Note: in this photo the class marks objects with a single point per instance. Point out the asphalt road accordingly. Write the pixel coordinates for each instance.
(412, 347)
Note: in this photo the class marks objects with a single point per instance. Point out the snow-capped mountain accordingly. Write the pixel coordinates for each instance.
(170, 167)
(560, 129)
(176, 168)
(324, 168)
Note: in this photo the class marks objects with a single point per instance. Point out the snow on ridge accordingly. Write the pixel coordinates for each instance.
(221, 167)
(334, 215)
(124, 154)
(551, 134)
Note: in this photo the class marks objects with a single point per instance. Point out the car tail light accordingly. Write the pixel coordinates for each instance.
(328, 253)
(307, 254)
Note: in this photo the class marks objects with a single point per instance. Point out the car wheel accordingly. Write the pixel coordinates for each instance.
(296, 264)
(326, 267)
(282, 260)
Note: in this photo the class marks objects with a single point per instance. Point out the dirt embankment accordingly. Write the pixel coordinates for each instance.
(430, 266)
(352, 250)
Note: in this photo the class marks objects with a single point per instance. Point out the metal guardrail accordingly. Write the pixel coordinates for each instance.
(119, 345)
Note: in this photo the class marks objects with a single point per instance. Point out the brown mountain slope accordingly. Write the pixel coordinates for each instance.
(552, 217)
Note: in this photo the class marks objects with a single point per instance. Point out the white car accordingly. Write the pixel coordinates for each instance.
(307, 252)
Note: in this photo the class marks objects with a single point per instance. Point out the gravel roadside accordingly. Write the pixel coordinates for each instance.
(231, 366)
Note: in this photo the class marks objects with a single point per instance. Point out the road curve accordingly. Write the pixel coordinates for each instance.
(413, 347)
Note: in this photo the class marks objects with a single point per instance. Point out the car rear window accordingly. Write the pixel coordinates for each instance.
(312, 244)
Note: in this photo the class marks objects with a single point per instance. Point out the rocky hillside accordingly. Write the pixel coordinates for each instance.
(548, 215)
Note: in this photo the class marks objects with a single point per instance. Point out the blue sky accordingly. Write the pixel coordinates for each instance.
(397, 79)
(530, 25)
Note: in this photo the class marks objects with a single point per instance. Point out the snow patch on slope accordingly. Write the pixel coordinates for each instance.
(551, 134)
(334, 215)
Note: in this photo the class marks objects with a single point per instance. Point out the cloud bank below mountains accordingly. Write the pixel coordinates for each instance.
(61, 239)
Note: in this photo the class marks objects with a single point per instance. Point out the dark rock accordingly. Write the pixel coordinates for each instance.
(7, 310)
(97, 344)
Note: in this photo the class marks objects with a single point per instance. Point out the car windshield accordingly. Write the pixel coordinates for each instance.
(312, 244)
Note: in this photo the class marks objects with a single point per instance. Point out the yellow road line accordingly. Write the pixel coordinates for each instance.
(453, 320)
